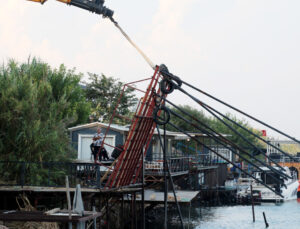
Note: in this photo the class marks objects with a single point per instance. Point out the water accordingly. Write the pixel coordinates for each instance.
(286, 215)
(283, 216)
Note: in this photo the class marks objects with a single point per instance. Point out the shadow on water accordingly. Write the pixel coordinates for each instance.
(286, 215)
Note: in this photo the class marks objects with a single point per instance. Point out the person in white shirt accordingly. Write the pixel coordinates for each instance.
(97, 142)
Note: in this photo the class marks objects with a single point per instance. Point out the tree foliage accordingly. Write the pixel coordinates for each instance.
(37, 103)
(182, 124)
(103, 93)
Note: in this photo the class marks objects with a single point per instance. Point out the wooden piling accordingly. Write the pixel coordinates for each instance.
(253, 214)
(267, 225)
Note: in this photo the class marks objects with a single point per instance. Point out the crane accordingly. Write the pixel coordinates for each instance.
(95, 6)
(130, 164)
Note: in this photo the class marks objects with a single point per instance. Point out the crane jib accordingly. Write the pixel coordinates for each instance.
(95, 6)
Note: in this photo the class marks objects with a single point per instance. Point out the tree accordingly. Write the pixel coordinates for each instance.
(103, 93)
(37, 104)
(183, 125)
(220, 127)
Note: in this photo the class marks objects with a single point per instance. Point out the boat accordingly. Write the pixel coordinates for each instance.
(288, 188)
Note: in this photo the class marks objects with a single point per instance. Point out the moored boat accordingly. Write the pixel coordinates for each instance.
(288, 187)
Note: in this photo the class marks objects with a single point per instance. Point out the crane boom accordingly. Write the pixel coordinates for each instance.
(95, 6)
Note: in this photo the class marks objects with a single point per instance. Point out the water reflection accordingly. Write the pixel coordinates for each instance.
(240, 217)
(283, 216)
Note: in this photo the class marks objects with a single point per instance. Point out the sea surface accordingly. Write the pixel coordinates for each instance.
(282, 216)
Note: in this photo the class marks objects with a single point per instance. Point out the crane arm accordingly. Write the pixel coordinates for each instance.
(95, 6)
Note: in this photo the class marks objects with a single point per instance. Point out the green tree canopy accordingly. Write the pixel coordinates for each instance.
(37, 103)
(183, 124)
(103, 93)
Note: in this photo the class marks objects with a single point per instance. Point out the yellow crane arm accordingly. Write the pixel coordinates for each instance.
(43, 1)
(95, 6)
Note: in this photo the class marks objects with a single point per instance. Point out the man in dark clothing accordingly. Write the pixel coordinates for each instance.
(103, 154)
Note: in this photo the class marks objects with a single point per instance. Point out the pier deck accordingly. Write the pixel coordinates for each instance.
(184, 197)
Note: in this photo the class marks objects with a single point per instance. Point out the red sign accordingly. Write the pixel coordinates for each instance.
(264, 133)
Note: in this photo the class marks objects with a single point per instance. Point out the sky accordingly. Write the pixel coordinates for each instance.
(245, 52)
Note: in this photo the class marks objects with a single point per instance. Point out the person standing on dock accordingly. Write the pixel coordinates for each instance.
(97, 142)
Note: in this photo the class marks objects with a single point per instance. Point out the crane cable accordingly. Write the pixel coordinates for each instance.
(146, 58)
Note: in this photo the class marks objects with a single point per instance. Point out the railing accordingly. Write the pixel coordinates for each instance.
(286, 159)
(176, 165)
(49, 174)
(181, 164)
(207, 160)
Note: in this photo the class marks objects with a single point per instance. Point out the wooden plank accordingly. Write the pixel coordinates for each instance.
(52, 211)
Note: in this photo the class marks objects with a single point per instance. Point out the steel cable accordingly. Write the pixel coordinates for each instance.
(242, 112)
(227, 139)
(146, 58)
(210, 110)
(229, 148)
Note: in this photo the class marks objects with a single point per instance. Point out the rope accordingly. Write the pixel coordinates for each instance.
(146, 58)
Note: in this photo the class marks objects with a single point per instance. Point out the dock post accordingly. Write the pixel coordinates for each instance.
(23, 171)
(122, 212)
(135, 213)
(190, 205)
(107, 213)
(100, 209)
(98, 176)
(68, 201)
(95, 223)
(132, 212)
(253, 214)
(165, 179)
(143, 191)
(267, 225)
